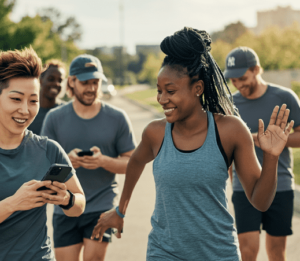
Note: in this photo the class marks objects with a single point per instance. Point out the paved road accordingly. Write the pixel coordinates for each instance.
(133, 245)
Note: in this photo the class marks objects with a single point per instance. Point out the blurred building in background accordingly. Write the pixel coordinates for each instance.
(281, 17)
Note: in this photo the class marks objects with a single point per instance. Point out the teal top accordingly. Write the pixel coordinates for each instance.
(191, 220)
(23, 235)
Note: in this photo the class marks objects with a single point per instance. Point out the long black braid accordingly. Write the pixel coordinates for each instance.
(190, 48)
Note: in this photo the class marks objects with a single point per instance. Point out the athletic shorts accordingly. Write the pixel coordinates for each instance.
(276, 221)
(71, 230)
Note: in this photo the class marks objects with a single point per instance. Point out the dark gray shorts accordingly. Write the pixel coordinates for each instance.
(276, 221)
(71, 230)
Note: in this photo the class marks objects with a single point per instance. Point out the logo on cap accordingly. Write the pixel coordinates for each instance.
(92, 64)
(231, 61)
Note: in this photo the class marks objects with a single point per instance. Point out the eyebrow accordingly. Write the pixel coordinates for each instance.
(168, 84)
(22, 93)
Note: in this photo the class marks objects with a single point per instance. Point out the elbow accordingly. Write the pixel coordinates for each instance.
(262, 207)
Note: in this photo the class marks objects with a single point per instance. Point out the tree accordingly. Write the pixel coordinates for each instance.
(230, 33)
(151, 68)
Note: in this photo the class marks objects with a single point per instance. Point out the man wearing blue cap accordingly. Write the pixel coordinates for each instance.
(255, 99)
(99, 140)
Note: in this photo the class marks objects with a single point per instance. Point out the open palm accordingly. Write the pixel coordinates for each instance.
(274, 139)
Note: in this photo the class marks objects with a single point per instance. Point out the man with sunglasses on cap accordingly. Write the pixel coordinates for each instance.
(100, 141)
(255, 99)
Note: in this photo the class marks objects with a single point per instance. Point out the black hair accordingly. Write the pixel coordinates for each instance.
(188, 52)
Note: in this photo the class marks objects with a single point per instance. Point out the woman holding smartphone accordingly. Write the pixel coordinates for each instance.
(192, 149)
(24, 160)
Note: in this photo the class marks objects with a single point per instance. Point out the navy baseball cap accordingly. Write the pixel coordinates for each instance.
(239, 60)
(86, 67)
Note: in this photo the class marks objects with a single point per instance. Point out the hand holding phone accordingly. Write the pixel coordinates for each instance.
(85, 153)
(56, 172)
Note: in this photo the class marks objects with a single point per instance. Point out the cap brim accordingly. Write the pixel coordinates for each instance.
(91, 75)
(235, 73)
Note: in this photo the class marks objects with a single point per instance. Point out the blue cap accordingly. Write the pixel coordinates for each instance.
(86, 67)
(239, 60)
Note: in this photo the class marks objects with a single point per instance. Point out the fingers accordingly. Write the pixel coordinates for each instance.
(95, 149)
(261, 127)
(274, 115)
(40, 184)
(289, 128)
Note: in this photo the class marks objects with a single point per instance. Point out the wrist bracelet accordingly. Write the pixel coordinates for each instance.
(119, 213)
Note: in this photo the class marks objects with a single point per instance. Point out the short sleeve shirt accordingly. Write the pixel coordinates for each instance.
(23, 235)
(251, 110)
(110, 130)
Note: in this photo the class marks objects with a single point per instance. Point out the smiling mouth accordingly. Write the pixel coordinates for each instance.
(20, 121)
(54, 90)
(169, 110)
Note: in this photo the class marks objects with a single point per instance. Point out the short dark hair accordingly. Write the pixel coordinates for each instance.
(188, 52)
(18, 64)
(52, 63)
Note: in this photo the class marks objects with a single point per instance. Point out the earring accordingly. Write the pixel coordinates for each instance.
(198, 94)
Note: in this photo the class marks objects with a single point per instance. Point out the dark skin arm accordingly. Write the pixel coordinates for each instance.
(146, 151)
(259, 183)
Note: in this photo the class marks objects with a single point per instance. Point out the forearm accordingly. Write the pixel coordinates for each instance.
(293, 140)
(265, 188)
(133, 173)
(78, 208)
(6, 209)
(115, 165)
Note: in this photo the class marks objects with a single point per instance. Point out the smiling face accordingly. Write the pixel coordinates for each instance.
(85, 92)
(19, 104)
(177, 95)
(247, 84)
(51, 82)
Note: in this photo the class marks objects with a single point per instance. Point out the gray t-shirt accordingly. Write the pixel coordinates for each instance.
(23, 235)
(261, 108)
(37, 124)
(110, 130)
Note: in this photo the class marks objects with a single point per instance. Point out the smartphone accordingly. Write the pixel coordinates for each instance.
(85, 153)
(56, 172)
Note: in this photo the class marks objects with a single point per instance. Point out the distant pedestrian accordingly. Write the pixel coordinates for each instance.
(51, 81)
(255, 99)
(192, 149)
(24, 160)
(89, 125)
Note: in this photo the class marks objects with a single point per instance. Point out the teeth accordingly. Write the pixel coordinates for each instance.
(169, 110)
(19, 120)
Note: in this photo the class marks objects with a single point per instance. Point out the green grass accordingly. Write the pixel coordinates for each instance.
(148, 97)
(296, 152)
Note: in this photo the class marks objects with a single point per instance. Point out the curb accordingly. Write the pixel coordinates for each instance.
(161, 115)
(144, 107)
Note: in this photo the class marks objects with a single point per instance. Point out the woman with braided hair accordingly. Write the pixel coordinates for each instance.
(192, 149)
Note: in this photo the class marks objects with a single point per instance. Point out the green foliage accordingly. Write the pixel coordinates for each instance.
(40, 33)
(277, 48)
(296, 152)
(296, 87)
(230, 33)
(151, 68)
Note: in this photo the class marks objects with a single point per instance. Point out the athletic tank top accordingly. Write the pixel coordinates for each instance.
(191, 220)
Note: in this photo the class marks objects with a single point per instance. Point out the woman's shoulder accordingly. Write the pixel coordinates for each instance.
(231, 126)
(155, 130)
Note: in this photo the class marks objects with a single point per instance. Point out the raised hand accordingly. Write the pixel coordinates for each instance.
(109, 219)
(274, 139)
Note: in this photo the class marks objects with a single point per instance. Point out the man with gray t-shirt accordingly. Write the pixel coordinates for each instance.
(83, 127)
(256, 99)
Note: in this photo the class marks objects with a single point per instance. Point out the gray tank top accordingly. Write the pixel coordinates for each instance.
(191, 220)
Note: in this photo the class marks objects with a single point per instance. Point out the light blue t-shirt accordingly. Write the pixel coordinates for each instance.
(251, 110)
(191, 220)
(110, 130)
(23, 235)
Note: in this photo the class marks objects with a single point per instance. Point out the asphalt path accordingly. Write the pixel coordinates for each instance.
(133, 244)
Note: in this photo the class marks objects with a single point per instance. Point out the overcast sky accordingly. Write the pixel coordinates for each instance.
(148, 22)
